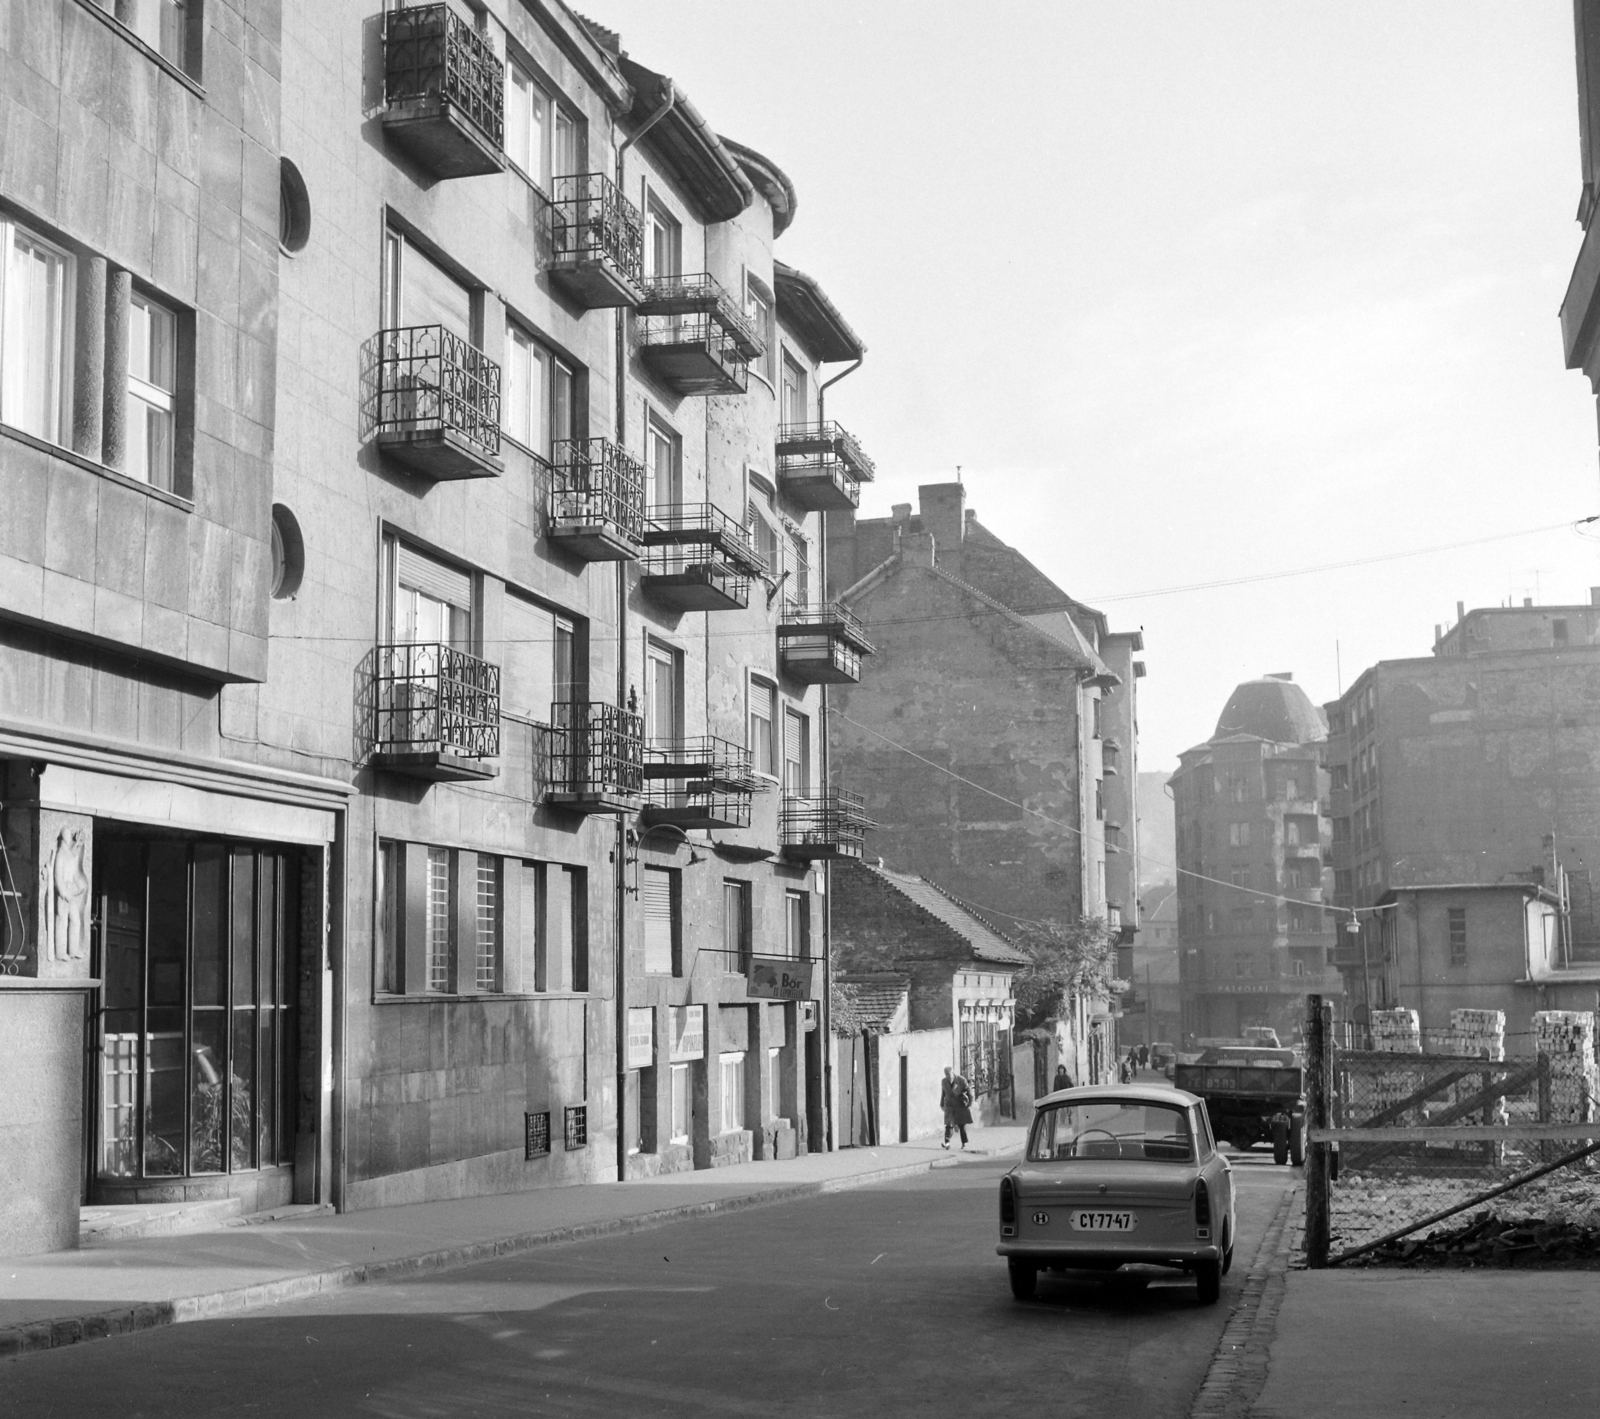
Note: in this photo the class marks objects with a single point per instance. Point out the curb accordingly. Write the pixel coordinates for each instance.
(59, 1331)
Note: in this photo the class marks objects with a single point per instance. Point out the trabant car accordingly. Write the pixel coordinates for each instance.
(1118, 1174)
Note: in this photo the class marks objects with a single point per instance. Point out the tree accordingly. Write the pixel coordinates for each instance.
(1063, 958)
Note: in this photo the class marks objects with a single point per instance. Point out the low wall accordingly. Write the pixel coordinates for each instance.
(41, 1119)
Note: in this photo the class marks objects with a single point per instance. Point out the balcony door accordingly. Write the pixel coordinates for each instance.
(663, 699)
(794, 392)
(796, 754)
(664, 245)
(430, 624)
(419, 291)
(665, 467)
(431, 601)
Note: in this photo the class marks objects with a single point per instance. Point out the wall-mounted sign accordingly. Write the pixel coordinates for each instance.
(779, 978)
(808, 1014)
(688, 1032)
(641, 1037)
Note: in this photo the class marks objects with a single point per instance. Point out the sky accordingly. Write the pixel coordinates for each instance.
(1193, 293)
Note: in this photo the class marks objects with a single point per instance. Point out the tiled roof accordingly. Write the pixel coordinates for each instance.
(866, 1002)
(987, 943)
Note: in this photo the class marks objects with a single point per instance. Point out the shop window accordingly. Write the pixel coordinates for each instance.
(732, 1091)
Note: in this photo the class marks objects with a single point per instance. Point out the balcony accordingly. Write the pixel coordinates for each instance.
(830, 824)
(697, 558)
(598, 242)
(596, 758)
(693, 337)
(596, 501)
(443, 92)
(821, 645)
(704, 782)
(434, 712)
(820, 467)
(438, 403)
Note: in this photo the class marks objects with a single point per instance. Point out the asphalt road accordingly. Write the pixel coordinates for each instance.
(883, 1301)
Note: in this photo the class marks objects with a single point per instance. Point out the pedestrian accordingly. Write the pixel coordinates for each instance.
(1144, 1056)
(955, 1098)
(1063, 1079)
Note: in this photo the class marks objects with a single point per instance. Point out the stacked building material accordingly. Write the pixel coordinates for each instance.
(1479, 1034)
(1396, 1032)
(1566, 1037)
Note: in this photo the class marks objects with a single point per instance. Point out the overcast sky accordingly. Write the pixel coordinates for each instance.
(1193, 291)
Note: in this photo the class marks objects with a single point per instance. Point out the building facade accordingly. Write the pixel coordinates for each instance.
(1252, 841)
(1476, 767)
(413, 632)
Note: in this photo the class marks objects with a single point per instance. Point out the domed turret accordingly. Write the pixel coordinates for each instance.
(1274, 708)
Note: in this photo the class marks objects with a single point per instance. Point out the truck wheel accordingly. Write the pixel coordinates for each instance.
(1280, 1142)
(1297, 1143)
(1024, 1277)
(1208, 1282)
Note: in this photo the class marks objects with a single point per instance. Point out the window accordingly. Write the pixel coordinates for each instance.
(439, 915)
(1239, 876)
(1291, 832)
(1238, 835)
(1299, 967)
(796, 754)
(1243, 919)
(162, 24)
(542, 138)
(575, 1118)
(294, 208)
(794, 410)
(1244, 963)
(1458, 936)
(1291, 789)
(758, 305)
(1097, 710)
(538, 658)
(680, 1103)
(663, 937)
(1100, 799)
(761, 739)
(798, 592)
(1558, 630)
(541, 394)
(35, 333)
(797, 925)
(561, 946)
(1341, 830)
(419, 291)
(390, 897)
(736, 925)
(775, 1085)
(732, 1091)
(663, 696)
(760, 520)
(430, 601)
(487, 974)
(664, 466)
(152, 380)
(1339, 776)
(664, 243)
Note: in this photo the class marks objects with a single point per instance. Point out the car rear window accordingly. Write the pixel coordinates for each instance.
(1111, 1128)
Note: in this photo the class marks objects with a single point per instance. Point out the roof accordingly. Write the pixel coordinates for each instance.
(805, 308)
(867, 1002)
(688, 144)
(1528, 889)
(987, 944)
(1273, 708)
(771, 182)
(1137, 1093)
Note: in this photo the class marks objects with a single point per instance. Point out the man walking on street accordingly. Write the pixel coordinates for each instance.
(955, 1098)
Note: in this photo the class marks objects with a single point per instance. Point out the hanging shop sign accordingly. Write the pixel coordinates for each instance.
(779, 978)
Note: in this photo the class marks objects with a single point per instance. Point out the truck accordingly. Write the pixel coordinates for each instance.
(1253, 1094)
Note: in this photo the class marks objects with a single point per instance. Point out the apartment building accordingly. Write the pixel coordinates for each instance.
(414, 648)
(1252, 844)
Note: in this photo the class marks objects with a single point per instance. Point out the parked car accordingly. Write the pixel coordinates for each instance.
(1115, 1175)
(1162, 1053)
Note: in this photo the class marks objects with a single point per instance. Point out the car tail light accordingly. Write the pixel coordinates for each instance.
(1202, 1209)
(1008, 1208)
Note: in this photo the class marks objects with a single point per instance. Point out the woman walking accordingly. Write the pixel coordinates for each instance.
(955, 1098)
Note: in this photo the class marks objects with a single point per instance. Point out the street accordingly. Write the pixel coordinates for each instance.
(886, 1300)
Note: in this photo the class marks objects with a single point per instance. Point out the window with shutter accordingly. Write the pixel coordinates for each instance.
(662, 954)
(431, 601)
(796, 754)
(763, 751)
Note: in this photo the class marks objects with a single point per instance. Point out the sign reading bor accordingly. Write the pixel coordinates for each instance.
(779, 978)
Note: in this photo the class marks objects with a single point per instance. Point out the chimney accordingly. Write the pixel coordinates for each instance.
(1438, 633)
(901, 512)
(1527, 602)
(943, 508)
(1461, 610)
(1594, 595)
(1279, 675)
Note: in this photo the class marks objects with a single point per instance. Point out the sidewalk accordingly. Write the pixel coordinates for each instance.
(111, 1288)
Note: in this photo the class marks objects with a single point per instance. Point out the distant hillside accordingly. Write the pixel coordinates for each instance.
(1157, 831)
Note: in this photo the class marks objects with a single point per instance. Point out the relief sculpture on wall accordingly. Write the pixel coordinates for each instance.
(64, 896)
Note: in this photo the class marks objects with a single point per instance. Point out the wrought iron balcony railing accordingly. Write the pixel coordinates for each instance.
(597, 500)
(821, 644)
(435, 710)
(693, 336)
(596, 757)
(704, 782)
(444, 91)
(805, 442)
(698, 558)
(832, 824)
(598, 242)
(438, 403)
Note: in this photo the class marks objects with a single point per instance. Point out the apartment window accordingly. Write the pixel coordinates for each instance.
(429, 601)
(663, 923)
(560, 905)
(763, 533)
(1339, 776)
(732, 1091)
(1341, 830)
(680, 1103)
(1458, 936)
(1291, 832)
(1243, 919)
(793, 394)
(797, 926)
(161, 24)
(759, 306)
(1096, 709)
(664, 466)
(439, 915)
(538, 659)
(736, 925)
(1243, 963)
(1558, 630)
(664, 244)
(152, 391)
(796, 754)
(1100, 799)
(417, 290)
(1238, 835)
(389, 895)
(487, 960)
(35, 333)
(761, 737)
(1291, 789)
(1239, 876)
(663, 696)
(542, 138)
(540, 393)
(799, 585)
(1299, 968)
(1238, 788)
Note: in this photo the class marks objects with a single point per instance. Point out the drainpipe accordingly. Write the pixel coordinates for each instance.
(620, 848)
(824, 1005)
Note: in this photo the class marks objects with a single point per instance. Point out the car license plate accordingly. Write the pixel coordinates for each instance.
(1082, 1219)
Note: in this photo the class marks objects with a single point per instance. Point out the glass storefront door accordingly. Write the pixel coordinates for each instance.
(200, 961)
